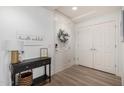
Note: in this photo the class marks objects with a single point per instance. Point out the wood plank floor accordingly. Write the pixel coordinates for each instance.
(83, 76)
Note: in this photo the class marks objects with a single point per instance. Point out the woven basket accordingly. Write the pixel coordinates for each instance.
(25, 79)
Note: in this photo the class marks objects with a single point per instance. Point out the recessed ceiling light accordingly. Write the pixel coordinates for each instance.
(74, 8)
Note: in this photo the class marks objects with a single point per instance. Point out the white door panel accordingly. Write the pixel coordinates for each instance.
(109, 48)
(84, 49)
(98, 45)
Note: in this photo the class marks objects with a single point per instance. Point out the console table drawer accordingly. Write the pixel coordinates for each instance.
(18, 69)
(39, 64)
(24, 67)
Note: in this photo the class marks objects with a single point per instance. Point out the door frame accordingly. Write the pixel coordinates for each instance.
(116, 43)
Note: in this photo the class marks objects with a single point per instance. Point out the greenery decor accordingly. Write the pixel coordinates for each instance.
(63, 37)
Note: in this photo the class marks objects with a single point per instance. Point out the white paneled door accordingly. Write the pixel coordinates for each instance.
(85, 47)
(96, 47)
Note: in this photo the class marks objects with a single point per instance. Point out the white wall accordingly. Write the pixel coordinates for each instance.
(115, 16)
(65, 52)
(27, 21)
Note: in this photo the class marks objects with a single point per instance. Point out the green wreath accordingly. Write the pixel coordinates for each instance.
(63, 37)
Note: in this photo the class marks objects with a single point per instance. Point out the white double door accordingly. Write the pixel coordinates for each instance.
(96, 47)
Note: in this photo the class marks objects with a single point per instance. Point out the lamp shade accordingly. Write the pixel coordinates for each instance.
(15, 45)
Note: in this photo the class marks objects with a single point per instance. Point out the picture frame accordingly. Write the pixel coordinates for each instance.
(43, 52)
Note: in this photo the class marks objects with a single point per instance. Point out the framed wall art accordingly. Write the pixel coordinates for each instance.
(43, 52)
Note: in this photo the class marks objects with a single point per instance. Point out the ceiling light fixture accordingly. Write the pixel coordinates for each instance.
(74, 8)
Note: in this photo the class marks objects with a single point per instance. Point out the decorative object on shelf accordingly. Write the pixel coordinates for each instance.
(16, 49)
(63, 37)
(14, 56)
(29, 37)
(44, 52)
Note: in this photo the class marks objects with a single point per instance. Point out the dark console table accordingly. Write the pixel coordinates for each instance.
(31, 64)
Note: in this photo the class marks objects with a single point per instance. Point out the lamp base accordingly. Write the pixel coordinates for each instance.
(14, 57)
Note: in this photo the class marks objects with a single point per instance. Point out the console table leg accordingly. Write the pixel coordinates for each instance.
(13, 79)
(49, 72)
(45, 70)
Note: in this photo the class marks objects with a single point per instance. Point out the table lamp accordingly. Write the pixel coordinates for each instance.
(16, 48)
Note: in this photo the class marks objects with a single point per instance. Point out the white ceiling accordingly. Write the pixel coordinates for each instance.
(84, 11)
